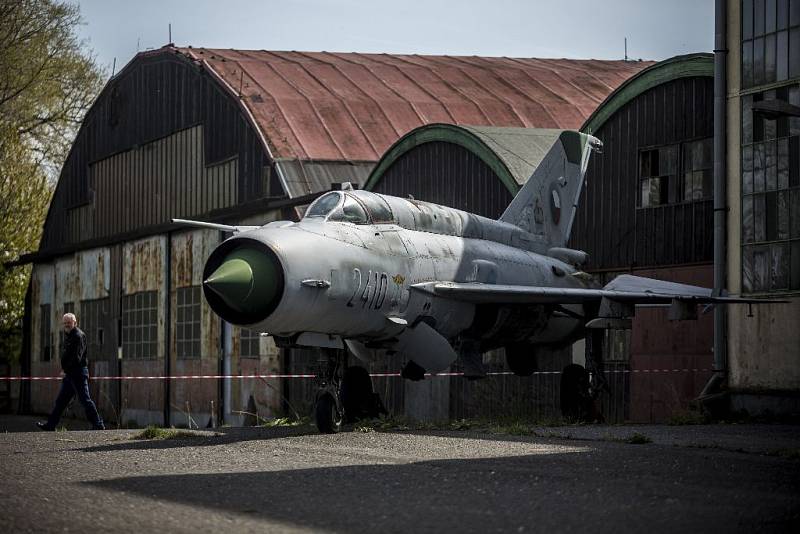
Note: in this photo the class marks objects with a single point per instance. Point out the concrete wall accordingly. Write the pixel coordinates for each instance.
(763, 350)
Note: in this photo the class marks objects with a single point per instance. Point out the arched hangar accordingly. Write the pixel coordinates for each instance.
(236, 136)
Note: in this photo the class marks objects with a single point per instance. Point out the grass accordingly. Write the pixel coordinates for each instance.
(511, 425)
(638, 439)
(154, 432)
(285, 422)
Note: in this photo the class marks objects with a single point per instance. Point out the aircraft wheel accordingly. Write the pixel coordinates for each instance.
(521, 359)
(358, 398)
(576, 399)
(327, 415)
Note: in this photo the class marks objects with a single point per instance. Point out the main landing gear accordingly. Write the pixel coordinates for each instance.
(581, 386)
(344, 394)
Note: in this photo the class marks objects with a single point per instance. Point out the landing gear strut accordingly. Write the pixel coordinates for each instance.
(328, 411)
(344, 394)
(580, 387)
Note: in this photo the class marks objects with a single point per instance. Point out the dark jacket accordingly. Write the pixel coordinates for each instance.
(73, 351)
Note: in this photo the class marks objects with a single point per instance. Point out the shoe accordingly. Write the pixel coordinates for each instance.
(98, 428)
(43, 426)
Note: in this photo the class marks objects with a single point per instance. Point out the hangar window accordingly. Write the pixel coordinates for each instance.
(187, 328)
(770, 167)
(770, 41)
(663, 181)
(45, 336)
(249, 343)
(140, 325)
(658, 176)
(697, 170)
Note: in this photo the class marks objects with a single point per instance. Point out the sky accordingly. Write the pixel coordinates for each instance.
(655, 29)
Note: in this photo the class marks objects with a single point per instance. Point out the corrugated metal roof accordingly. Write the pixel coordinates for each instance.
(521, 149)
(302, 177)
(353, 106)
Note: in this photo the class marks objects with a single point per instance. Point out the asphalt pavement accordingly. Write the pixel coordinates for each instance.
(706, 478)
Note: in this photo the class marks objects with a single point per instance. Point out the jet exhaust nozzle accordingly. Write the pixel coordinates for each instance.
(243, 281)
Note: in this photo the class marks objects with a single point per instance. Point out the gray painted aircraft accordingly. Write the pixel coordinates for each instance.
(379, 275)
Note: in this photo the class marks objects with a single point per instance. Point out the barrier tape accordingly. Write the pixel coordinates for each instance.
(374, 375)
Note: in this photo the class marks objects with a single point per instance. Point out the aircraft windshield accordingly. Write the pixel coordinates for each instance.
(324, 205)
(351, 212)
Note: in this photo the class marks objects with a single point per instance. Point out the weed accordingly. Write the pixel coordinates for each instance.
(634, 439)
(638, 439)
(461, 424)
(154, 432)
(518, 429)
(285, 421)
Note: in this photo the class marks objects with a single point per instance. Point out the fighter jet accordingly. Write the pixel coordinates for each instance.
(372, 275)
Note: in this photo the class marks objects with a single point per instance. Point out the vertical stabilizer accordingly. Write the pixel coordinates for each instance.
(546, 204)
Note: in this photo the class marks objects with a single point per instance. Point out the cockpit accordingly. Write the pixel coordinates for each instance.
(357, 207)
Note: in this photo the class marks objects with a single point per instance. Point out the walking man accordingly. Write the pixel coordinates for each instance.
(76, 377)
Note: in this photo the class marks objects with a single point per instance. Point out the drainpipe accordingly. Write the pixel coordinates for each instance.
(168, 331)
(720, 191)
(227, 350)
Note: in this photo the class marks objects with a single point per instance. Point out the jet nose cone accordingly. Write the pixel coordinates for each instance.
(232, 281)
(243, 282)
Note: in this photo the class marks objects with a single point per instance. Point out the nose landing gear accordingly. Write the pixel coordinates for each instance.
(344, 394)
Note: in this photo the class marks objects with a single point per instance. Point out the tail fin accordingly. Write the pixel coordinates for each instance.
(546, 204)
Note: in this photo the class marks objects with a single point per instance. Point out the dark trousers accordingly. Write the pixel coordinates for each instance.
(75, 383)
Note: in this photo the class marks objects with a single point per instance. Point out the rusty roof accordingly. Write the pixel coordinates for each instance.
(353, 106)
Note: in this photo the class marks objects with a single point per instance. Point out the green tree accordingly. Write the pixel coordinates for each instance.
(48, 79)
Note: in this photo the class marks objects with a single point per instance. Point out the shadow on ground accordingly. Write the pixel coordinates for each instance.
(217, 436)
(665, 487)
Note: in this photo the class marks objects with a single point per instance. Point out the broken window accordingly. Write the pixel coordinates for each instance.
(698, 169)
(658, 176)
(187, 326)
(770, 168)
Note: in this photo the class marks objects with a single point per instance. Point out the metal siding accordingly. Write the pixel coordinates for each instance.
(438, 172)
(156, 96)
(608, 225)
